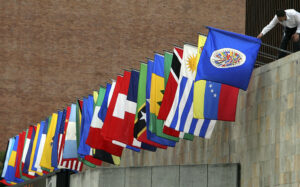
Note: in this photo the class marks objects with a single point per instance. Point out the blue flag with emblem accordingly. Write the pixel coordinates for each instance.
(228, 58)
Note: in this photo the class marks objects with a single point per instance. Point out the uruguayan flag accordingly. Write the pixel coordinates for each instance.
(180, 117)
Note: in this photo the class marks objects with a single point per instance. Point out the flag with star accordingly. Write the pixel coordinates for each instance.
(172, 66)
(140, 128)
(123, 133)
(152, 136)
(156, 96)
(181, 114)
(161, 129)
(213, 100)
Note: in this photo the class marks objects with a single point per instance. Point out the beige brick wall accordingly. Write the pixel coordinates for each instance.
(52, 52)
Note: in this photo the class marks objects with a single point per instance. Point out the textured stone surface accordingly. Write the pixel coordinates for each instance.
(138, 176)
(155, 176)
(193, 176)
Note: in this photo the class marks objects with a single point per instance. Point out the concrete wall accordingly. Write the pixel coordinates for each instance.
(52, 52)
(160, 176)
(265, 139)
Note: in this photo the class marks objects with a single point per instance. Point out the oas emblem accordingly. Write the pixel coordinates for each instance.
(227, 58)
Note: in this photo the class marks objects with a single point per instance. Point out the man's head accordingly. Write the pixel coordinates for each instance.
(281, 15)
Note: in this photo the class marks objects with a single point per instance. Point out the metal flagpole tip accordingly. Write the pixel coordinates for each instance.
(190, 44)
(148, 58)
(167, 51)
(200, 33)
(176, 45)
(157, 52)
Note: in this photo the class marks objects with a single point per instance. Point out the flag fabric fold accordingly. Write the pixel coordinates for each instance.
(70, 145)
(178, 95)
(96, 121)
(180, 116)
(226, 56)
(152, 136)
(22, 137)
(172, 74)
(27, 150)
(213, 100)
(140, 127)
(11, 165)
(104, 143)
(7, 156)
(47, 152)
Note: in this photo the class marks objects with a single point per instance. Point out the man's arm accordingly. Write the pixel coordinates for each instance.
(297, 18)
(267, 28)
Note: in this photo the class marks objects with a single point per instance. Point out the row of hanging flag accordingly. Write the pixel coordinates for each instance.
(177, 95)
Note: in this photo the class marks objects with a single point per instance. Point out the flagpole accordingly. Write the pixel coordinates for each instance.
(259, 63)
(190, 44)
(175, 45)
(149, 58)
(268, 55)
(133, 69)
(264, 44)
(125, 69)
(167, 51)
(155, 52)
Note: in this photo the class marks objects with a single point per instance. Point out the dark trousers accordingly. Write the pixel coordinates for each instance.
(287, 35)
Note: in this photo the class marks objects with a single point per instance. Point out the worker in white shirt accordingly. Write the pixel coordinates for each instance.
(290, 19)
